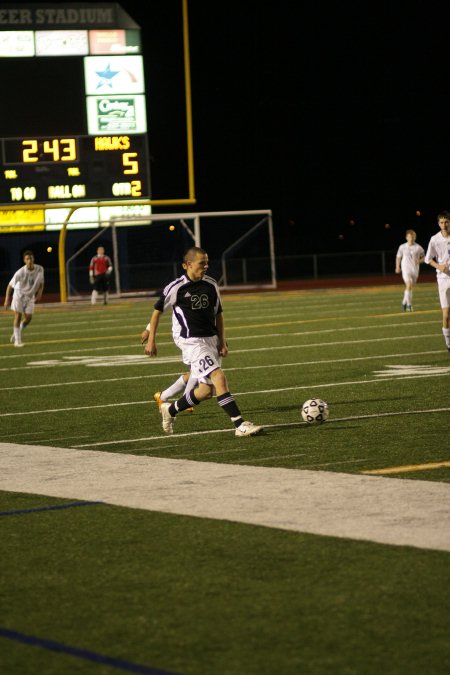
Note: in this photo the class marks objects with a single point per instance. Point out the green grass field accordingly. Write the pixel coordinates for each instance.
(102, 589)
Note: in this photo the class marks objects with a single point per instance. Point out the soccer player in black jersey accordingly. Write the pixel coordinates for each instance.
(200, 334)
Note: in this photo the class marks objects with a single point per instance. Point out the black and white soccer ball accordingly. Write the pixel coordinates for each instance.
(315, 411)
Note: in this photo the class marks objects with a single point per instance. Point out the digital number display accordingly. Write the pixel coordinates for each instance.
(74, 168)
(41, 150)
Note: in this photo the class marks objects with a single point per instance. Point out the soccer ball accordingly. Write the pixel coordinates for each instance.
(315, 411)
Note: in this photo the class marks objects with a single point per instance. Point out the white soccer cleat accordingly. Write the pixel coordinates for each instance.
(247, 429)
(18, 344)
(167, 419)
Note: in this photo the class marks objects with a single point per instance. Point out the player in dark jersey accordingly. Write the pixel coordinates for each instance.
(197, 312)
(100, 269)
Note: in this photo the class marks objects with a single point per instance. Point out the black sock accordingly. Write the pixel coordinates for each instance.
(185, 402)
(227, 402)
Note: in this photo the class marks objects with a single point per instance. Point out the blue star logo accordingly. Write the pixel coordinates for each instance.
(106, 76)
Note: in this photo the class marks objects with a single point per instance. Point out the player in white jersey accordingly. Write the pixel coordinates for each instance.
(408, 259)
(438, 256)
(26, 288)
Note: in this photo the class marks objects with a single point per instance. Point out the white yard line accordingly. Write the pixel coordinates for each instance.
(369, 508)
(238, 368)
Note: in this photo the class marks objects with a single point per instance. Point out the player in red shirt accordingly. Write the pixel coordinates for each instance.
(100, 269)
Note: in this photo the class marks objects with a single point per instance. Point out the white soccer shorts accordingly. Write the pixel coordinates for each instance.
(410, 277)
(201, 354)
(23, 304)
(444, 291)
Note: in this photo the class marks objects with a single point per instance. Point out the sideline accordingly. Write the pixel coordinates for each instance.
(400, 512)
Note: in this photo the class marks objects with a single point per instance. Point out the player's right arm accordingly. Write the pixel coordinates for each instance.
(150, 347)
(398, 259)
(8, 295)
(91, 270)
(431, 258)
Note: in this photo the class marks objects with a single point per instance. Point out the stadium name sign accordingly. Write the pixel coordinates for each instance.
(72, 16)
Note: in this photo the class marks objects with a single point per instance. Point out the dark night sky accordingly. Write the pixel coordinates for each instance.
(325, 112)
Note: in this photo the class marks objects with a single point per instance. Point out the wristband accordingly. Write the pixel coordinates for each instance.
(147, 327)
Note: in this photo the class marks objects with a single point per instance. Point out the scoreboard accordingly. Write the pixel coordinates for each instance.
(73, 116)
(73, 168)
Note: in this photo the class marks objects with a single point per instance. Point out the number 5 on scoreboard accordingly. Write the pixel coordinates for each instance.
(130, 165)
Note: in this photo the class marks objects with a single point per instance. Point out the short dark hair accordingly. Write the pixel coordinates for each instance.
(192, 252)
(28, 252)
(444, 214)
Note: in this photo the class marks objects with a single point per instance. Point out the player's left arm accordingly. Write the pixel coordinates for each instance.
(40, 290)
(220, 325)
(110, 267)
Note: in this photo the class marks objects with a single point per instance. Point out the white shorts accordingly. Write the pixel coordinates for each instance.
(201, 354)
(410, 277)
(23, 304)
(444, 291)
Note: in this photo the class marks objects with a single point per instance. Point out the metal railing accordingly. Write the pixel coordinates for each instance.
(241, 271)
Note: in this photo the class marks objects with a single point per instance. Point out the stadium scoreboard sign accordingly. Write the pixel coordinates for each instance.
(73, 117)
(71, 168)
